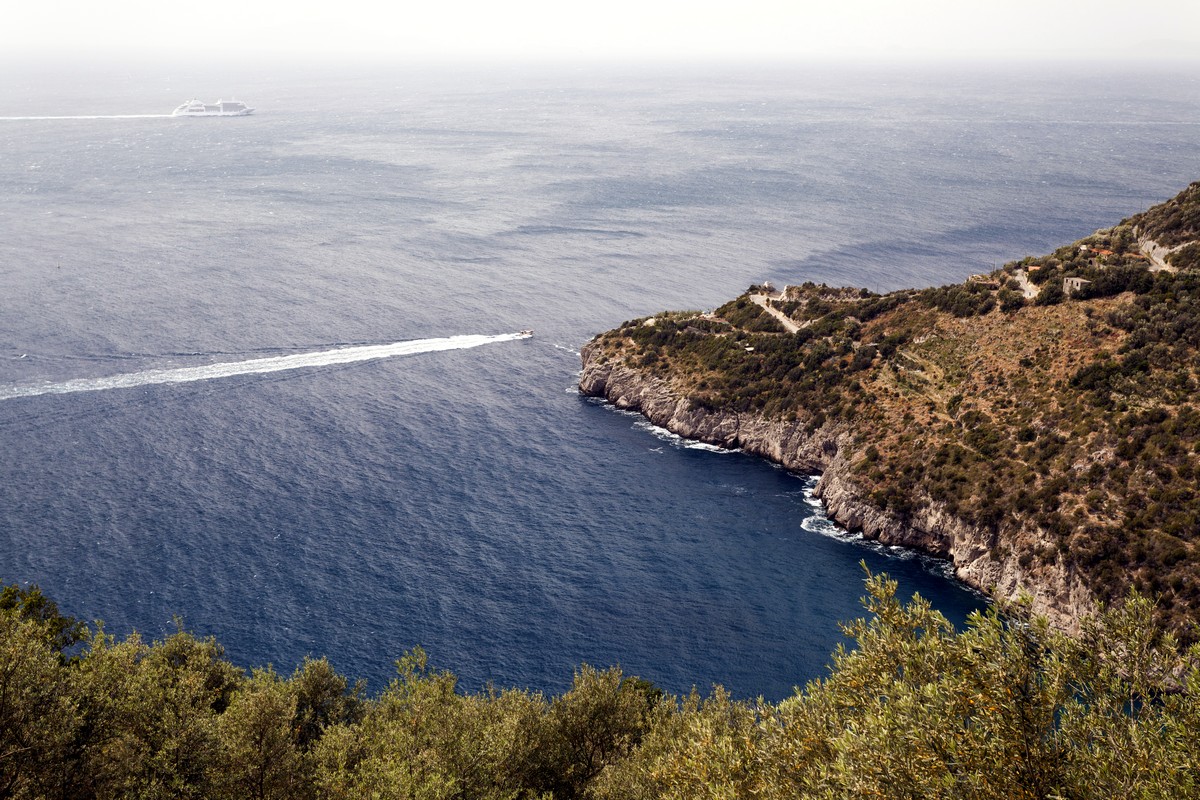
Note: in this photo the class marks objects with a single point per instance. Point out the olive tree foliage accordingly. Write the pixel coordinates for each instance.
(918, 710)
(597, 723)
(258, 758)
(1006, 708)
(694, 748)
(151, 715)
(911, 708)
(270, 726)
(38, 716)
(422, 739)
(170, 719)
(61, 632)
(323, 698)
(1133, 725)
(1009, 708)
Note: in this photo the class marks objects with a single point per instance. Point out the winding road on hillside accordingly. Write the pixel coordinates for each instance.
(784, 320)
(1028, 289)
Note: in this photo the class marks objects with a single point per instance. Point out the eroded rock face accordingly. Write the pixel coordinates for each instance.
(979, 560)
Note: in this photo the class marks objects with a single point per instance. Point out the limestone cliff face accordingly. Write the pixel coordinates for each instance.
(978, 559)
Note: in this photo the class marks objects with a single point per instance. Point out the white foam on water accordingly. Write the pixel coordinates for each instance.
(93, 116)
(674, 439)
(256, 366)
(711, 448)
(643, 424)
(822, 525)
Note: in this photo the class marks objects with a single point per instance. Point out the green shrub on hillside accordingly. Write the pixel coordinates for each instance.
(961, 300)
(749, 316)
(1187, 257)
(1173, 222)
(911, 708)
(1052, 457)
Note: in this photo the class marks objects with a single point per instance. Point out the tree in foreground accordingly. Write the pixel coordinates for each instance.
(1006, 708)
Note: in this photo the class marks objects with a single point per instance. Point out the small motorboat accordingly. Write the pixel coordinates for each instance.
(525, 334)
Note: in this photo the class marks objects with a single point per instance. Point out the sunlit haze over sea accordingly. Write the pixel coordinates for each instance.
(259, 374)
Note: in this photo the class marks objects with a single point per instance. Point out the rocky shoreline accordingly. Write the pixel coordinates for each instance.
(1055, 591)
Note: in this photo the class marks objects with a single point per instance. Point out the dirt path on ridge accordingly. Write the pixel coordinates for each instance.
(784, 320)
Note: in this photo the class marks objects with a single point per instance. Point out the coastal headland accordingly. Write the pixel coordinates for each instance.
(1037, 426)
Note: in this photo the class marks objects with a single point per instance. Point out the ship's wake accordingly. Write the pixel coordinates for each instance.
(94, 116)
(255, 366)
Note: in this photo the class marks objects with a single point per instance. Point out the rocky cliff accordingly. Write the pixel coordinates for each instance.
(1037, 426)
(1056, 590)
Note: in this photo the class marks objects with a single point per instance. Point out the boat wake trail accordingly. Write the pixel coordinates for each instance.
(96, 116)
(343, 355)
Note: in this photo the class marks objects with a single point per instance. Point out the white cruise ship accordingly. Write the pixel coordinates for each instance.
(221, 108)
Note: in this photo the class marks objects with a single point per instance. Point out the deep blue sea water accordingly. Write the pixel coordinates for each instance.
(469, 500)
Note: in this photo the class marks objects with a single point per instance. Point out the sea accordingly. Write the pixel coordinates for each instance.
(261, 377)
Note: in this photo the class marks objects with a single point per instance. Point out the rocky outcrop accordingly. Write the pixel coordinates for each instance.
(979, 560)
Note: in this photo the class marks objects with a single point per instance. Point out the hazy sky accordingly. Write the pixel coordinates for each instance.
(611, 29)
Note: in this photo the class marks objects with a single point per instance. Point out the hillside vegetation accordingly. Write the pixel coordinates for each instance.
(1060, 416)
(1005, 709)
(1174, 224)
